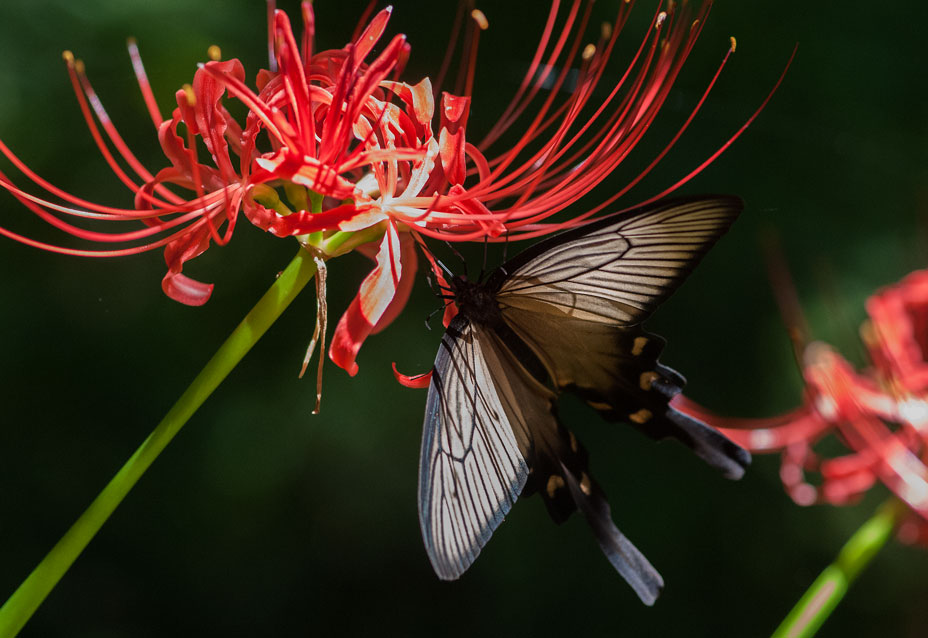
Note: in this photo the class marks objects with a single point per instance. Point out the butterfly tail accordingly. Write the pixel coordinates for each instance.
(707, 443)
(561, 475)
(624, 556)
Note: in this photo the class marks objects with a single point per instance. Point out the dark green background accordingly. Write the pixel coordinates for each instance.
(262, 520)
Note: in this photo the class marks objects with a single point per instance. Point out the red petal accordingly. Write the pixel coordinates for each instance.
(417, 381)
(186, 290)
(410, 263)
(180, 287)
(454, 110)
(372, 33)
(374, 297)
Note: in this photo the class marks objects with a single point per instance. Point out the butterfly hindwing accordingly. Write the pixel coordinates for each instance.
(558, 463)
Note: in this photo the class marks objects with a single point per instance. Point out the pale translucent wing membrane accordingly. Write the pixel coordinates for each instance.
(617, 272)
(470, 468)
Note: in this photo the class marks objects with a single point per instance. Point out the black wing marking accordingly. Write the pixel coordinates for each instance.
(616, 271)
(470, 468)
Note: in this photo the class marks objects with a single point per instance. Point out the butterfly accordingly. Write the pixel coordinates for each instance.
(565, 315)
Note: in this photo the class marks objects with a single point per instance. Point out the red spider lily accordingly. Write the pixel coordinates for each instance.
(398, 174)
(327, 130)
(880, 414)
(354, 151)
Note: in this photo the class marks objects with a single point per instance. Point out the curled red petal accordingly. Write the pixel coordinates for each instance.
(187, 291)
(211, 118)
(374, 297)
(180, 287)
(454, 111)
(416, 381)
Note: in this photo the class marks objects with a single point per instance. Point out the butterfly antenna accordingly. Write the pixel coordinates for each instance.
(428, 319)
(483, 267)
(458, 255)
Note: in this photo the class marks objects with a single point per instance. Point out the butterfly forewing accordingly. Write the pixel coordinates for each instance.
(470, 468)
(617, 271)
(577, 301)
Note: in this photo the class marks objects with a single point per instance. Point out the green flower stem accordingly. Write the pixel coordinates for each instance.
(829, 588)
(26, 599)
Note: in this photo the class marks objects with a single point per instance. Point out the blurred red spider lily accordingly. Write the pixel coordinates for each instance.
(354, 153)
(880, 413)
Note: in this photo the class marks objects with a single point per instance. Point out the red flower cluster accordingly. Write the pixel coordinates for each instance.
(880, 414)
(339, 153)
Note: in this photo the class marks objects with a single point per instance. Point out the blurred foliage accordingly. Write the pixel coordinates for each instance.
(262, 520)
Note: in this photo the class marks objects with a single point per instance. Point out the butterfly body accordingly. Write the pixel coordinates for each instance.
(565, 315)
(476, 301)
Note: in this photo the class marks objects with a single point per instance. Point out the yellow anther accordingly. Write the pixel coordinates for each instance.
(68, 57)
(480, 19)
(214, 53)
(660, 19)
(588, 52)
(641, 416)
(605, 30)
(190, 95)
(79, 66)
(734, 44)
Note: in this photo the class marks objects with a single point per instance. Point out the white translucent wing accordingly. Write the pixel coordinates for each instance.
(470, 468)
(617, 271)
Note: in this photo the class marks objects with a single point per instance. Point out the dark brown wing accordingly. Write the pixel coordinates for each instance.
(559, 466)
(577, 300)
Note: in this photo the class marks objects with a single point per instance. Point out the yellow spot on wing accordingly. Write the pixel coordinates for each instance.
(638, 345)
(573, 441)
(599, 405)
(555, 482)
(586, 486)
(646, 379)
(641, 416)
